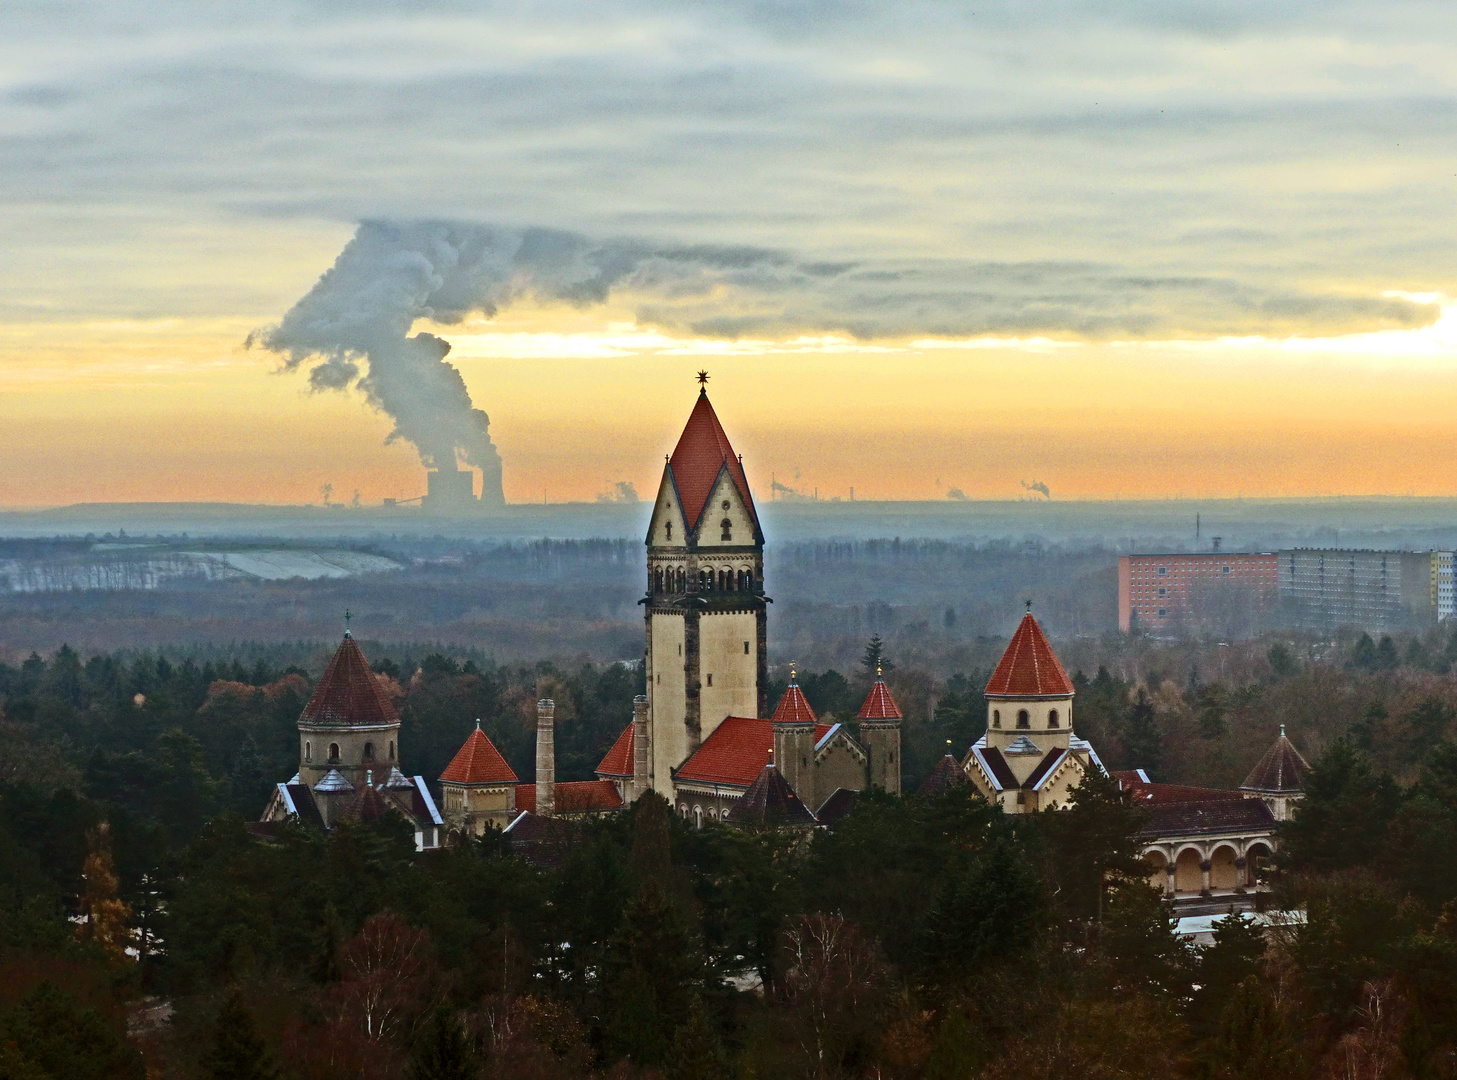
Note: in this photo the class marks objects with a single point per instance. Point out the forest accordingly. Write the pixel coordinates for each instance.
(145, 932)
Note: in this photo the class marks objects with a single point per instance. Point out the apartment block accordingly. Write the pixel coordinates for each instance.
(1322, 588)
(1180, 592)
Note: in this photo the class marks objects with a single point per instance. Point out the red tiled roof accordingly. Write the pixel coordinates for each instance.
(478, 762)
(879, 705)
(1281, 769)
(618, 760)
(574, 797)
(1215, 816)
(349, 692)
(736, 752)
(1147, 794)
(1029, 667)
(947, 773)
(702, 451)
(794, 708)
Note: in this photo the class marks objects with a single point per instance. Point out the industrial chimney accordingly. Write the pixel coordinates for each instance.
(545, 758)
(641, 782)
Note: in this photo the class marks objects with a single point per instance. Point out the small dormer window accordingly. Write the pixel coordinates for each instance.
(728, 529)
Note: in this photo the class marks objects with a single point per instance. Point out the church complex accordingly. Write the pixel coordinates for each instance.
(705, 738)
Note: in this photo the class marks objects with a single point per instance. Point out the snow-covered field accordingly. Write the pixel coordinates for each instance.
(108, 567)
(281, 564)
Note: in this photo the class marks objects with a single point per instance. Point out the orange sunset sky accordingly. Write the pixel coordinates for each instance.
(1128, 252)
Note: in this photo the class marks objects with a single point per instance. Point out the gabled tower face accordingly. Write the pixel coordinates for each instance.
(349, 732)
(705, 606)
(1029, 700)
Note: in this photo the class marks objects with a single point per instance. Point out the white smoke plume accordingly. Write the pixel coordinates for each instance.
(353, 327)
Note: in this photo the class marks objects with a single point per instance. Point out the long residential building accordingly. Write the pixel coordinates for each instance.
(1239, 594)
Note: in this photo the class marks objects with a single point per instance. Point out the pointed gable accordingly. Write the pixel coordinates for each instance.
(618, 760)
(703, 451)
(1029, 667)
(794, 707)
(478, 762)
(349, 692)
(1281, 769)
(879, 705)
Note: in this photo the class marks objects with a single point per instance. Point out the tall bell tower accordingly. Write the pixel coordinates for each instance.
(706, 656)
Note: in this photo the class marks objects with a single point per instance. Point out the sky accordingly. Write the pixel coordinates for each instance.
(1121, 249)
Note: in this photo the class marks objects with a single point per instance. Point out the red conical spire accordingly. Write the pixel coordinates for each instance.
(348, 692)
(1029, 667)
(478, 762)
(793, 706)
(879, 705)
(703, 451)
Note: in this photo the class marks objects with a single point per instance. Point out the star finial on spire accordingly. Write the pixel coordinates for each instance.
(1028, 602)
(347, 616)
(702, 381)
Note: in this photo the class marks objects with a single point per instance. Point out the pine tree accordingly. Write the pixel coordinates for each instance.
(237, 1052)
(444, 1051)
(874, 661)
(697, 1053)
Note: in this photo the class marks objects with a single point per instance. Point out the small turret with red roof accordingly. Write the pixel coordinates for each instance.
(880, 734)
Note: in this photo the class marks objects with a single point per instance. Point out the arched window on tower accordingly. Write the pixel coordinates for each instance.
(1023, 718)
(668, 528)
(996, 718)
(728, 529)
(369, 751)
(333, 751)
(308, 751)
(1052, 718)
(682, 580)
(392, 749)
(749, 580)
(658, 580)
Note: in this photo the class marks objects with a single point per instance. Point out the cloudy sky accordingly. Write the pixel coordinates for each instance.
(1123, 248)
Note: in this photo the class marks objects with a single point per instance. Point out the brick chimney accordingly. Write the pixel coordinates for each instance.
(641, 781)
(545, 758)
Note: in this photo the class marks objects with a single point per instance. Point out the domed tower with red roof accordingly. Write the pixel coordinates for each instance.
(705, 606)
(1029, 759)
(880, 734)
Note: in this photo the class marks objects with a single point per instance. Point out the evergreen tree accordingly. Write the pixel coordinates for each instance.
(652, 855)
(237, 1052)
(443, 1052)
(1343, 820)
(697, 1053)
(874, 661)
(652, 971)
(1234, 955)
(1253, 1042)
(1142, 740)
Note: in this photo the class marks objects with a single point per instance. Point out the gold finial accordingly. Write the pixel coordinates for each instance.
(793, 675)
(879, 674)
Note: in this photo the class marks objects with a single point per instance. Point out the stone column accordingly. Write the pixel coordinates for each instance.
(1169, 871)
(1204, 877)
(545, 758)
(1241, 877)
(642, 754)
